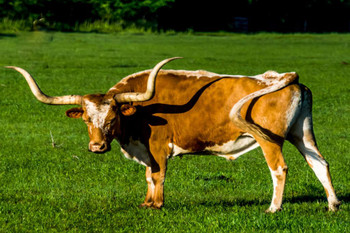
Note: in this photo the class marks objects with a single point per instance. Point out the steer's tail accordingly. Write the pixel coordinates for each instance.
(277, 82)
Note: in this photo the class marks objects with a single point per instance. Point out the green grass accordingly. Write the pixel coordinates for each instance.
(66, 188)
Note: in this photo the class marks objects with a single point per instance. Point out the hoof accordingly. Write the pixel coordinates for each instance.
(151, 205)
(146, 205)
(157, 206)
(272, 210)
(333, 207)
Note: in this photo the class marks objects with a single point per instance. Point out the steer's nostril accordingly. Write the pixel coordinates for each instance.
(98, 147)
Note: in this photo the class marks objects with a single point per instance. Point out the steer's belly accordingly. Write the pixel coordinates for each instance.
(233, 149)
(229, 150)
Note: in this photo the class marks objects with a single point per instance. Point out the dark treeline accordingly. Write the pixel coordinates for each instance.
(184, 15)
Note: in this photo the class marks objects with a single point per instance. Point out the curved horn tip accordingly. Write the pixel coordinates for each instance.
(10, 67)
(163, 62)
(173, 58)
(170, 59)
(14, 68)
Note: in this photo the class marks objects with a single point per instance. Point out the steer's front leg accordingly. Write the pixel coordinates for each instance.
(158, 179)
(155, 177)
(150, 189)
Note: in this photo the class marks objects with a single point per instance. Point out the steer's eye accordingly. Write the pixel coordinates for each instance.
(109, 124)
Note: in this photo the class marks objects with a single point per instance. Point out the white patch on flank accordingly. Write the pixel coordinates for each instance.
(176, 150)
(233, 149)
(293, 110)
(229, 150)
(136, 151)
(96, 113)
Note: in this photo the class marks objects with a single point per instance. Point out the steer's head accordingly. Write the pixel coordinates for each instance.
(100, 112)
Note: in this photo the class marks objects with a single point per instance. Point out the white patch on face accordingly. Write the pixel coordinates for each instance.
(233, 149)
(96, 113)
(136, 151)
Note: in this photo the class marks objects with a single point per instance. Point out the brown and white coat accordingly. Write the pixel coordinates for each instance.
(199, 111)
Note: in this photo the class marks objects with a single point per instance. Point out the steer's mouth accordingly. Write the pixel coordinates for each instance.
(99, 148)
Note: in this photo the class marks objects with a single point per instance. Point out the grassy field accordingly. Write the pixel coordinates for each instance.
(59, 188)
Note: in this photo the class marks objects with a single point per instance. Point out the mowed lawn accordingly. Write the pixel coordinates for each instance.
(49, 182)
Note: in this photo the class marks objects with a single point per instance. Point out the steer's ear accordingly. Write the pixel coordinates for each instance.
(127, 109)
(74, 112)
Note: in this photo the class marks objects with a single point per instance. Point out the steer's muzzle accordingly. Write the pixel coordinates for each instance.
(99, 147)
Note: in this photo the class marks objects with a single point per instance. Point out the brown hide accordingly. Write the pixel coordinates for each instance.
(193, 112)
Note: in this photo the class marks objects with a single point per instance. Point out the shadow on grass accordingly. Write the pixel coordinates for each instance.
(305, 198)
(310, 198)
(214, 178)
(124, 66)
(266, 201)
(228, 203)
(344, 198)
(237, 202)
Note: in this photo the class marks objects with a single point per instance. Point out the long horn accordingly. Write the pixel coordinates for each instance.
(58, 100)
(138, 96)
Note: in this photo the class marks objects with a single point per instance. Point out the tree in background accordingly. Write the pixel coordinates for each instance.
(183, 15)
(65, 14)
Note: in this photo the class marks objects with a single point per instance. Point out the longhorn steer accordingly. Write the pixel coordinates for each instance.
(195, 111)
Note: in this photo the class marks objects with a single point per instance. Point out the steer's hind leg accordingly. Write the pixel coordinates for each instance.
(308, 148)
(302, 137)
(278, 169)
(305, 142)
